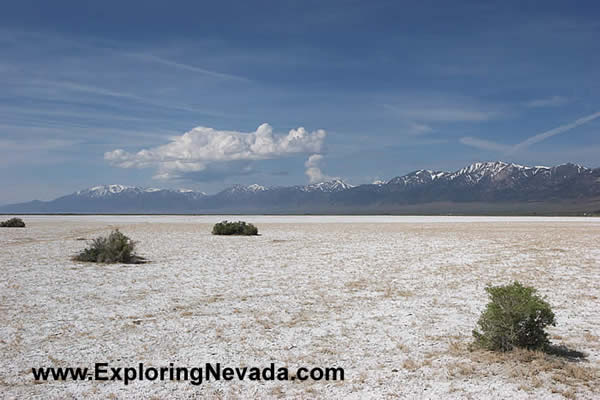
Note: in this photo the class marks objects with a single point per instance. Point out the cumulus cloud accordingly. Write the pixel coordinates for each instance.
(195, 150)
(313, 171)
(220, 172)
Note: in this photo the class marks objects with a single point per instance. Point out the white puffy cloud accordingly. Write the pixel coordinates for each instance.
(313, 171)
(194, 150)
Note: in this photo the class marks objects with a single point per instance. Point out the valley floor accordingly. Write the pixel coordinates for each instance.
(392, 300)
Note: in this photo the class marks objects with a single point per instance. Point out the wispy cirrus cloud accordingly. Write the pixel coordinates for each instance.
(104, 92)
(483, 144)
(33, 151)
(195, 150)
(553, 101)
(437, 113)
(31, 145)
(415, 128)
(423, 114)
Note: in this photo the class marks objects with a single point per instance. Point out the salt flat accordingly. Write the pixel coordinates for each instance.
(392, 300)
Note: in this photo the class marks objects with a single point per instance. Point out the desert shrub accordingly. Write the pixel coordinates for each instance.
(234, 228)
(116, 248)
(515, 317)
(13, 223)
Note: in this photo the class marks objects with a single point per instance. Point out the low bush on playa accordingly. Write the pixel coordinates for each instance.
(116, 248)
(13, 223)
(515, 317)
(234, 228)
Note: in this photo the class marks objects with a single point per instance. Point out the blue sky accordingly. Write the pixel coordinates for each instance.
(111, 92)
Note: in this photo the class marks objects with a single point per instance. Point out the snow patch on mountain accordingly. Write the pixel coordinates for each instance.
(254, 188)
(418, 177)
(494, 171)
(113, 190)
(335, 185)
(107, 190)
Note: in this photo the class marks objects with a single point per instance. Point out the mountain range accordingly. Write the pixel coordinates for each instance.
(480, 188)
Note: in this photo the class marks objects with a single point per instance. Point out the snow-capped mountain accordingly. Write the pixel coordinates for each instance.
(419, 177)
(496, 171)
(335, 185)
(111, 190)
(108, 191)
(254, 188)
(497, 181)
(493, 172)
(480, 187)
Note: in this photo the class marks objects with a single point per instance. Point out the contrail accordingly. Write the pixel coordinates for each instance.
(160, 60)
(552, 132)
(508, 150)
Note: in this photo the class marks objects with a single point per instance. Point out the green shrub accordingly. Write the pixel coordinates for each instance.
(234, 228)
(116, 248)
(13, 223)
(515, 317)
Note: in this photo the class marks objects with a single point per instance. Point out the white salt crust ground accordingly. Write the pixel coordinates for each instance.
(392, 300)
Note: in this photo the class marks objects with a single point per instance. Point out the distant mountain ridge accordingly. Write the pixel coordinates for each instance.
(105, 191)
(485, 187)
